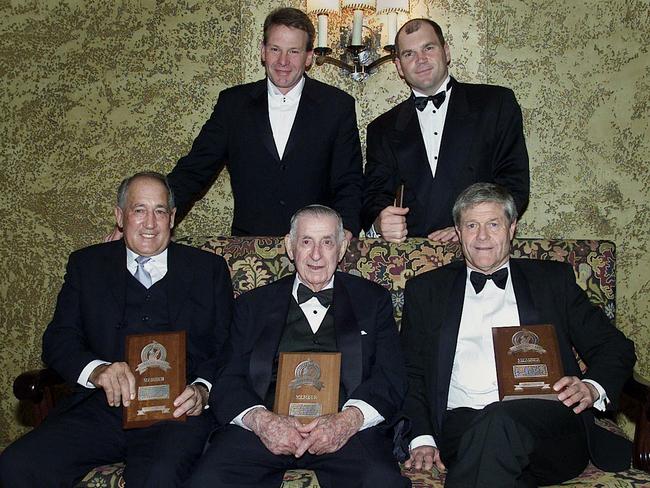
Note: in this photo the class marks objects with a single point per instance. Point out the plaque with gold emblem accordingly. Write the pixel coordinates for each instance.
(158, 363)
(528, 361)
(307, 384)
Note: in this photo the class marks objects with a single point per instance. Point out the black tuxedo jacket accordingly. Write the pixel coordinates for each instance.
(482, 140)
(372, 367)
(546, 293)
(321, 162)
(88, 322)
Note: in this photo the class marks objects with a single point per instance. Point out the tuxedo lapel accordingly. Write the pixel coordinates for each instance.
(448, 338)
(528, 313)
(114, 268)
(410, 152)
(179, 280)
(260, 112)
(269, 334)
(348, 337)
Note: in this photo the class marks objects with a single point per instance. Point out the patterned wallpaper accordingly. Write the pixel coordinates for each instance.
(95, 90)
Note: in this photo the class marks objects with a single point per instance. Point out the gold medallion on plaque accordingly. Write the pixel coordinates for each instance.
(307, 384)
(528, 361)
(158, 364)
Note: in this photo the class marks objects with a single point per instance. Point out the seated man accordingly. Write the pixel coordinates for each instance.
(453, 400)
(317, 310)
(110, 292)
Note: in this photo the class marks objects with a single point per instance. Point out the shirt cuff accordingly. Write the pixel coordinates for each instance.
(84, 377)
(371, 416)
(239, 419)
(603, 400)
(422, 440)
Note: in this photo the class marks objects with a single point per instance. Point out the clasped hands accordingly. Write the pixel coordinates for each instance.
(286, 435)
(118, 383)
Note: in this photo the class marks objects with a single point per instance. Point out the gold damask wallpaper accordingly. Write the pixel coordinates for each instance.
(95, 90)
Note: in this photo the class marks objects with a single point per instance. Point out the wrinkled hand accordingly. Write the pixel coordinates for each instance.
(448, 234)
(423, 458)
(191, 401)
(575, 391)
(391, 223)
(329, 433)
(116, 234)
(279, 433)
(117, 381)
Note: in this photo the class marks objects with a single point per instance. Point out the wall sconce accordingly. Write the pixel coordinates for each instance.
(359, 55)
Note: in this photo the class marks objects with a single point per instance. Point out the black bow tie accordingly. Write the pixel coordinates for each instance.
(499, 277)
(437, 99)
(323, 296)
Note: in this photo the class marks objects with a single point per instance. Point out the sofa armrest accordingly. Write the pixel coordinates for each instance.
(39, 389)
(637, 389)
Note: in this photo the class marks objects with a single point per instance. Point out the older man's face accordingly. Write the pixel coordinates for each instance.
(316, 251)
(146, 219)
(485, 236)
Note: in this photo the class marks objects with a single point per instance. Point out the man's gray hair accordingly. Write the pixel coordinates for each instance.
(317, 211)
(126, 182)
(481, 193)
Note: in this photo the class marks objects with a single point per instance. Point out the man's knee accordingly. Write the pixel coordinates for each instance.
(17, 466)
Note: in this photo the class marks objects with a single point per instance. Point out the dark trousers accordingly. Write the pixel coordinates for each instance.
(237, 458)
(519, 443)
(67, 445)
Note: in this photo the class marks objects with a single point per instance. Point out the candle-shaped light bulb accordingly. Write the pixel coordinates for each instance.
(322, 30)
(392, 28)
(357, 26)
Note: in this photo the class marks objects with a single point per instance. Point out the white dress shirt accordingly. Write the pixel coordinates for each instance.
(315, 313)
(282, 112)
(432, 123)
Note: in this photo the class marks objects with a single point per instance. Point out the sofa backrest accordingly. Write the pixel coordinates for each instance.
(257, 261)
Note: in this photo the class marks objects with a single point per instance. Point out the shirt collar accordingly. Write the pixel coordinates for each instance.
(444, 86)
(160, 259)
(292, 95)
(297, 281)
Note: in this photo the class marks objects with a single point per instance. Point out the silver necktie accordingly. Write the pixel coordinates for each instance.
(141, 274)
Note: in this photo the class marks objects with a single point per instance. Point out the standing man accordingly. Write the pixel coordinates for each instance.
(453, 399)
(319, 310)
(444, 137)
(287, 141)
(141, 284)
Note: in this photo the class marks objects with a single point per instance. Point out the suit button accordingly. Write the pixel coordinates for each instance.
(316, 341)
(283, 167)
(282, 203)
(145, 318)
(147, 297)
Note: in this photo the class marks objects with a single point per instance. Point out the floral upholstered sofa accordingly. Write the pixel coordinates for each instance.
(257, 261)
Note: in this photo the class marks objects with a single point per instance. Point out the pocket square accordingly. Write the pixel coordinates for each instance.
(363, 332)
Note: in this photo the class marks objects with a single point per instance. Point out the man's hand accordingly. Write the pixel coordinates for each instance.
(448, 234)
(117, 381)
(347, 235)
(391, 223)
(575, 391)
(423, 458)
(329, 433)
(115, 235)
(191, 401)
(279, 433)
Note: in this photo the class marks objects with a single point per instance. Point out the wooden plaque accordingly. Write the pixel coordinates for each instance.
(528, 361)
(308, 384)
(158, 363)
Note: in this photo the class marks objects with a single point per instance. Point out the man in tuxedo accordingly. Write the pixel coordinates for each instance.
(458, 420)
(141, 284)
(287, 141)
(444, 137)
(319, 310)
